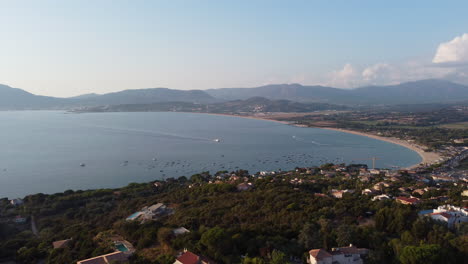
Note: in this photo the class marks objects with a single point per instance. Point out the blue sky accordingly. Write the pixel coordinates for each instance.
(65, 48)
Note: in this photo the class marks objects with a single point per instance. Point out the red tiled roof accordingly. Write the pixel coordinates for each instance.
(188, 258)
(319, 254)
(446, 215)
(408, 200)
(61, 243)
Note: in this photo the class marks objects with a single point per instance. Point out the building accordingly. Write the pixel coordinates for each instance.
(19, 219)
(449, 214)
(16, 202)
(61, 243)
(408, 201)
(244, 186)
(188, 257)
(341, 255)
(180, 231)
(339, 193)
(381, 197)
(114, 258)
(152, 212)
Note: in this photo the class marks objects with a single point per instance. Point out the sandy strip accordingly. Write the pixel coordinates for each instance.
(427, 157)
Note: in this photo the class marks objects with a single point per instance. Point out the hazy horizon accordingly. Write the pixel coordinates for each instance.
(66, 49)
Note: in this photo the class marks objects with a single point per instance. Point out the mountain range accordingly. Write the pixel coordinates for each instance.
(417, 92)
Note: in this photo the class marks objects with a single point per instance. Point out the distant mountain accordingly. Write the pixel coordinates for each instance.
(13, 98)
(17, 99)
(293, 92)
(418, 92)
(424, 91)
(147, 96)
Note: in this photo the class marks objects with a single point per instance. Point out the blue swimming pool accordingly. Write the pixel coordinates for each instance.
(121, 247)
(133, 216)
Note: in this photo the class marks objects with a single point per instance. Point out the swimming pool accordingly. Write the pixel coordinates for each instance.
(134, 216)
(121, 247)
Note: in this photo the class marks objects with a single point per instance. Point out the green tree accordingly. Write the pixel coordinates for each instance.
(423, 254)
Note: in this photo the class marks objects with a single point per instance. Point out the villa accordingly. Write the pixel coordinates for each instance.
(152, 212)
(449, 214)
(180, 231)
(408, 201)
(188, 257)
(341, 255)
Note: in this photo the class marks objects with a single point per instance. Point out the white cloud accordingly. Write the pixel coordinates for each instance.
(347, 77)
(454, 51)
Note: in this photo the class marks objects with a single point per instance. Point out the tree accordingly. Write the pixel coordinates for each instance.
(423, 254)
(345, 235)
(309, 236)
(278, 257)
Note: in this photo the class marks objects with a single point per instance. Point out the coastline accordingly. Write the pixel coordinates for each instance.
(427, 157)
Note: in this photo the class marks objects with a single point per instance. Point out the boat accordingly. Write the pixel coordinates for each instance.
(82, 164)
(217, 140)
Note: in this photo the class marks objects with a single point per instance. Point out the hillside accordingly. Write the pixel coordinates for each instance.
(424, 91)
(418, 92)
(251, 105)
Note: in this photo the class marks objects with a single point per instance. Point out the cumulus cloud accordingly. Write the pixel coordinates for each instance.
(454, 51)
(346, 77)
(449, 62)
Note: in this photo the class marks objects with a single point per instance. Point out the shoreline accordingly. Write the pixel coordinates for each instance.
(426, 157)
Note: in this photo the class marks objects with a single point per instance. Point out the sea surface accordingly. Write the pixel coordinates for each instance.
(54, 151)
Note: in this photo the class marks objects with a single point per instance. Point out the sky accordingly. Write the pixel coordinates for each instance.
(66, 48)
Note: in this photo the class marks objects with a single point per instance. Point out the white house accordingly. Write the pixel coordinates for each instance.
(450, 214)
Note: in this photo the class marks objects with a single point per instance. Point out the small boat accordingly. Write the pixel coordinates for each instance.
(217, 140)
(82, 164)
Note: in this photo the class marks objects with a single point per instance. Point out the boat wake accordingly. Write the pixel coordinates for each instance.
(151, 133)
(307, 141)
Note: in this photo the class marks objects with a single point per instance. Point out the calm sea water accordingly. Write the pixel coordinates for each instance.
(41, 151)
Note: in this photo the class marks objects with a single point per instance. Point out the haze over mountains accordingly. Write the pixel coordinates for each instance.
(418, 92)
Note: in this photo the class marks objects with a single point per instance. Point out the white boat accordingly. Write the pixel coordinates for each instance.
(217, 140)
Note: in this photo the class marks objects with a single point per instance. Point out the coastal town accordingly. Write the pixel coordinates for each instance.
(436, 194)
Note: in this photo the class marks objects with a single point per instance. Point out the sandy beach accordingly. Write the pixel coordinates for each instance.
(427, 157)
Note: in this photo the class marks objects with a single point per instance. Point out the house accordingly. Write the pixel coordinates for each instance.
(16, 202)
(61, 243)
(450, 214)
(19, 219)
(180, 231)
(464, 193)
(115, 257)
(188, 257)
(419, 191)
(341, 255)
(152, 212)
(408, 201)
(339, 193)
(381, 197)
(244, 186)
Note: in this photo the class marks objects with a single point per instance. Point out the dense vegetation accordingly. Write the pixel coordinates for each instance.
(275, 222)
